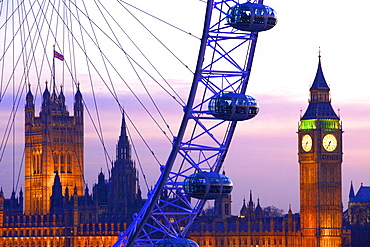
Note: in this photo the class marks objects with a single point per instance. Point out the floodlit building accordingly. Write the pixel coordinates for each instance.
(320, 220)
(59, 209)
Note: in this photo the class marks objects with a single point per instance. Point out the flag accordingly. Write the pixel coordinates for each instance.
(58, 55)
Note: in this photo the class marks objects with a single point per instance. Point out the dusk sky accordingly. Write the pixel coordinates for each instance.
(263, 155)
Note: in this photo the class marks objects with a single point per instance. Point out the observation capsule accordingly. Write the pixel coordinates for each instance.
(251, 17)
(233, 106)
(207, 185)
(175, 242)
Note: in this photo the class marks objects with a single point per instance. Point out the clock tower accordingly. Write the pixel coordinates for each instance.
(320, 163)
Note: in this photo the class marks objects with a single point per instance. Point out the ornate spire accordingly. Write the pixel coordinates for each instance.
(62, 99)
(29, 96)
(57, 180)
(319, 82)
(123, 126)
(78, 107)
(101, 177)
(78, 95)
(123, 145)
(290, 209)
(46, 94)
(56, 198)
(250, 203)
(30, 106)
(351, 192)
(319, 105)
(244, 210)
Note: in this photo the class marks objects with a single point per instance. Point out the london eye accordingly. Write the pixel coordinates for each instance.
(216, 100)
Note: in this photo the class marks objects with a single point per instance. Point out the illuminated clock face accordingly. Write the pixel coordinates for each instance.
(329, 142)
(307, 143)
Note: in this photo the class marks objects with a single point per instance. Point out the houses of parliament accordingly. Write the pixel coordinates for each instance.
(56, 208)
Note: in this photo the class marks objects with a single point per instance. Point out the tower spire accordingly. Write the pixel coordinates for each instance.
(319, 82)
(123, 125)
(320, 103)
(123, 146)
(351, 192)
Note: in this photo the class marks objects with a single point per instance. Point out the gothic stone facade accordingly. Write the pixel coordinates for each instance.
(59, 209)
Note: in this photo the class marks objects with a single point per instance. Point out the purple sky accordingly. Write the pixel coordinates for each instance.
(284, 67)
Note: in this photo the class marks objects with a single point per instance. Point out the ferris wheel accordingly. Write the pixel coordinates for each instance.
(216, 101)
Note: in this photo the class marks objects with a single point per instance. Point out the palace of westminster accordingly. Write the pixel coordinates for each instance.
(57, 209)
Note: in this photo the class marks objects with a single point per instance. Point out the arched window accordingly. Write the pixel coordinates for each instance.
(56, 161)
(69, 163)
(39, 162)
(34, 160)
(62, 162)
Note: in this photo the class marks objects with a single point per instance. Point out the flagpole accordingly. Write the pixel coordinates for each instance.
(53, 68)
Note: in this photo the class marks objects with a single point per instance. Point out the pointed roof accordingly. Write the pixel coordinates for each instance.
(29, 96)
(57, 179)
(351, 192)
(57, 187)
(319, 83)
(258, 207)
(250, 203)
(78, 95)
(320, 104)
(290, 209)
(61, 97)
(363, 194)
(123, 145)
(101, 177)
(123, 133)
(46, 94)
(244, 210)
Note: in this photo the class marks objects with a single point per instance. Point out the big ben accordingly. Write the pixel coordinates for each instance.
(320, 162)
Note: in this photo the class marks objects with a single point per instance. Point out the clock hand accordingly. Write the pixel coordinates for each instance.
(329, 143)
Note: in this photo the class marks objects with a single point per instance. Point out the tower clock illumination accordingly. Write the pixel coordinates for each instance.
(320, 164)
(329, 142)
(307, 143)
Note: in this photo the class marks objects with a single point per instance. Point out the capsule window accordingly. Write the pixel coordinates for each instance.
(259, 17)
(251, 17)
(207, 185)
(245, 16)
(259, 12)
(233, 106)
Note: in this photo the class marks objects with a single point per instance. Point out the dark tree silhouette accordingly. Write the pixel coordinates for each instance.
(272, 211)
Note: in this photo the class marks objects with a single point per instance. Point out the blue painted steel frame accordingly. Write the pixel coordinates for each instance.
(202, 141)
